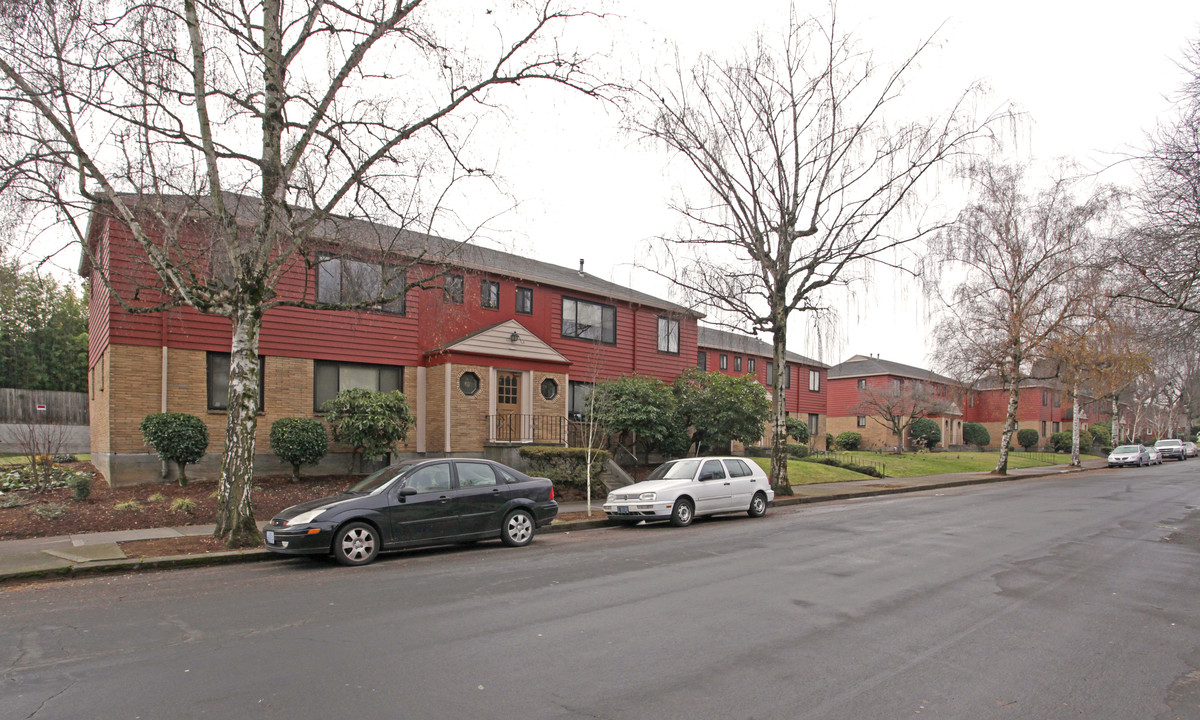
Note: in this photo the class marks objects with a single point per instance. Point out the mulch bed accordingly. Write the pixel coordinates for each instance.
(99, 512)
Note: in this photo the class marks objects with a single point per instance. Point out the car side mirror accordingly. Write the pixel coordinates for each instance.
(707, 476)
(406, 491)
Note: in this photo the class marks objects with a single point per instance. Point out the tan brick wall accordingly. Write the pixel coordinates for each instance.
(99, 399)
(557, 406)
(468, 414)
(874, 435)
(134, 385)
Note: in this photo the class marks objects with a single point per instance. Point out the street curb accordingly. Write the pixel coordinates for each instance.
(259, 554)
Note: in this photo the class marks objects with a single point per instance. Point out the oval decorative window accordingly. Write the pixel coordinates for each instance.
(468, 382)
(549, 389)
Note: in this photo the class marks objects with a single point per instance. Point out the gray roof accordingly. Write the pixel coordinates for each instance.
(863, 365)
(409, 243)
(736, 342)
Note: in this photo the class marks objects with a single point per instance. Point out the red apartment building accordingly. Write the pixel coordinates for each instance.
(504, 354)
(805, 379)
(1042, 405)
(865, 376)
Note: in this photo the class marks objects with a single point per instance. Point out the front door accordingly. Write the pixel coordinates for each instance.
(508, 406)
(713, 490)
(431, 513)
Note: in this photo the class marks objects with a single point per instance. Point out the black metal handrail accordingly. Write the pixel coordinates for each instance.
(527, 428)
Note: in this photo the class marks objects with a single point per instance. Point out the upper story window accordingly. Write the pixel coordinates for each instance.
(787, 375)
(342, 281)
(589, 321)
(489, 294)
(737, 363)
(453, 285)
(524, 302)
(702, 360)
(862, 383)
(1045, 399)
(724, 361)
(814, 380)
(668, 335)
(750, 362)
(330, 378)
(770, 373)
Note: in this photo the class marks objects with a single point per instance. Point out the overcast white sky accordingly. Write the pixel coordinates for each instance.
(1092, 77)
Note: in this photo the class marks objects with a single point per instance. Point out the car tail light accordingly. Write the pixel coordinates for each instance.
(551, 492)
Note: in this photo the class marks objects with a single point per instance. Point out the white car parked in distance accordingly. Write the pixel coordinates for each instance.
(682, 490)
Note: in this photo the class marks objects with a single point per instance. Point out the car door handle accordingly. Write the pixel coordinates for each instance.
(726, 483)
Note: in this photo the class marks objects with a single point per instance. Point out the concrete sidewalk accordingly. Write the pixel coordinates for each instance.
(69, 555)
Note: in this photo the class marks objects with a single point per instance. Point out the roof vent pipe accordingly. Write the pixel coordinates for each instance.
(581, 267)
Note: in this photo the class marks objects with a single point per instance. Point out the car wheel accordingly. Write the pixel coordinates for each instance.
(683, 513)
(356, 544)
(758, 506)
(517, 530)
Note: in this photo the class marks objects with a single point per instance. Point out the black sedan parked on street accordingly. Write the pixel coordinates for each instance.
(416, 503)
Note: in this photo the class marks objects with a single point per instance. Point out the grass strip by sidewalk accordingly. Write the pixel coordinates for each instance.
(913, 465)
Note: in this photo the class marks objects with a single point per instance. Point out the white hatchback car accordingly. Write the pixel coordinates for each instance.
(682, 490)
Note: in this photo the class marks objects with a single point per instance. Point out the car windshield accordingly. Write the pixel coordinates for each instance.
(1126, 449)
(1165, 443)
(675, 470)
(379, 478)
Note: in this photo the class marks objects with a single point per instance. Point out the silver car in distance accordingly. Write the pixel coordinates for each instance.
(682, 490)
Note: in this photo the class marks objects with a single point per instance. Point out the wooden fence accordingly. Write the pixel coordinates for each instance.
(18, 407)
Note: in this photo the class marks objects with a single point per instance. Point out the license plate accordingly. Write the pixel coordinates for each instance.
(270, 537)
(622, 510)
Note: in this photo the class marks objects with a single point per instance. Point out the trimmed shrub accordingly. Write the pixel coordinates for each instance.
(797, 430)
(299, 441)
(976, 434)
(924, 433)
(828, 441)
(80, 484)
(1100, 434)
(797, 450)
(567, 467)
(1028, 438)
(1061, 441)
(848, 440)
(370, 422)
(176, 437)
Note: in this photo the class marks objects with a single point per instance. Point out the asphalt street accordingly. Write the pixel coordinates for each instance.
(1064, 597)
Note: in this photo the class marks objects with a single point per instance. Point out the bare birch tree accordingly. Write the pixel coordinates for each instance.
(266, 126)
(802, 178)
(1029, 266)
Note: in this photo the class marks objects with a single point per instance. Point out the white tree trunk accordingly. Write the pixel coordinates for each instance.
(779, 455)
(1075, 427)
(235, 514)
(1010, 426)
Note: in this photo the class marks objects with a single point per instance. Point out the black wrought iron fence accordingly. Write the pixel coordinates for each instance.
(527, 428)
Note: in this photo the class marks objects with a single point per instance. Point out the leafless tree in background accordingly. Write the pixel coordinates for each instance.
(803, 179)
(266, 129)
(899, 405)
(1030, 264)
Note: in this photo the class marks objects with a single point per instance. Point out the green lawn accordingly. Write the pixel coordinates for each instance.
(911, 465)
(9, 459)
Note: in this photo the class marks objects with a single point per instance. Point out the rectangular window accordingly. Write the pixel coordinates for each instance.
(814, 380)
(668, 335)
(813, 427)
(1057, 427)
(770, 373)
(724, 361)
(589, 321)
(862, 420)
(489, 294)
(577, 402)
(341, 281)
(702, 360)
(524, 302)
(454, 289)
(787, 375)
(737, 363)
(971, 400)
(330, 378)
(1043, 428)
(862, 384)
(751, 365)
(217, 374)
(1045, 400)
